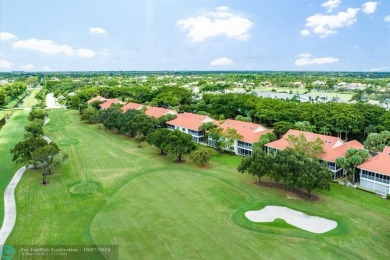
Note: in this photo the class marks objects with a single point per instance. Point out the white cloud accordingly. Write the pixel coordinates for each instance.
(51, 48)
(5, 36)
(97, 30)
(306, 59)
(325, 25)
(85, 53)
(5, 64)
(222, 22)
(369, 7)
(305, 32)
(27, 67)
(44, 46)
(380, 69)
(387, 18)
(104, 52)
(331, 4)
(47, 68)
(221, 62)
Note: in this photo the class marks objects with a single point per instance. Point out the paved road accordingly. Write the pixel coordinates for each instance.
(51, 102)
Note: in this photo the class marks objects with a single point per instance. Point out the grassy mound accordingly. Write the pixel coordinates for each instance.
(84, 188)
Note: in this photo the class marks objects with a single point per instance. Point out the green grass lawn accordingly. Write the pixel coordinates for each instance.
(10, 134)
(111, 192)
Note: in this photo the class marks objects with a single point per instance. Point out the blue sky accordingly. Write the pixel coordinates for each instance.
(72, 35)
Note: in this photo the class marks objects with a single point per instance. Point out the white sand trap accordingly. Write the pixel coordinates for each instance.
(296, 218)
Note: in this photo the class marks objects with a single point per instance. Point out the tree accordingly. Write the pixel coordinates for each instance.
(384, 123)
(369, 129)
(125, 118)
(352, 158)
(178, 143)
(165, 118)
(304, 126)
(258, 164)
(89, 115)
(216, 134)
(312, 175)
(228, 137)
(204, 127)
(157, 138)
(297, 170)
(324, 130)
(37, 114)
(141, 125)
(300, 144)
(280, 128)
(22, 150)
(139, 138)
(265, 139)
(376, 142)
(243, 118)
(35, 128)
(202, 155)
(43, 157)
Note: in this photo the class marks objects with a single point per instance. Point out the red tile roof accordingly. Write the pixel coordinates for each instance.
(379, 163)
(158, 112)
(190, 121)
(334, 147)
(131, 105)
(250, 132)
(109, 102)
(98, 98)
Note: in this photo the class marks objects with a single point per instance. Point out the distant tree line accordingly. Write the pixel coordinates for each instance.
(10, 92)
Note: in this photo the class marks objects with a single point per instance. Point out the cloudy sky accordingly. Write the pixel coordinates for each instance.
(71, 35)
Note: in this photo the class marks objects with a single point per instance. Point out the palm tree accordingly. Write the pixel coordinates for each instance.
(205, 127)
(324, 130)
(353, 158)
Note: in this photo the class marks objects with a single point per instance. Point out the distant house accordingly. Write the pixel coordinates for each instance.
(375, 173)
(250, 133)
(189, 123)
(132, 106)
(96, 99)
(158, 112)
(155, 112)
(107, 104)
(334, 148)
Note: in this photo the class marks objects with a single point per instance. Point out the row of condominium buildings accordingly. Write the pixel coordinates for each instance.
(374, 173)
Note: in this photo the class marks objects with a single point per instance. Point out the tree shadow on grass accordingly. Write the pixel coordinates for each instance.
(290, 193)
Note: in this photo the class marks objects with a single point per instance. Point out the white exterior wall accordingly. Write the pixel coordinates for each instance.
(373, 185)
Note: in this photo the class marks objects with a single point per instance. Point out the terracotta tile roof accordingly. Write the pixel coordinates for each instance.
(109, 102)
(131, 105)
(190, 121)
(334, 147)
(379, 163)
(98, 98)
(158, 112)
(250, 132)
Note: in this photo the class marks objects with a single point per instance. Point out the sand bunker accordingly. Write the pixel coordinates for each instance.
(296, 218)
